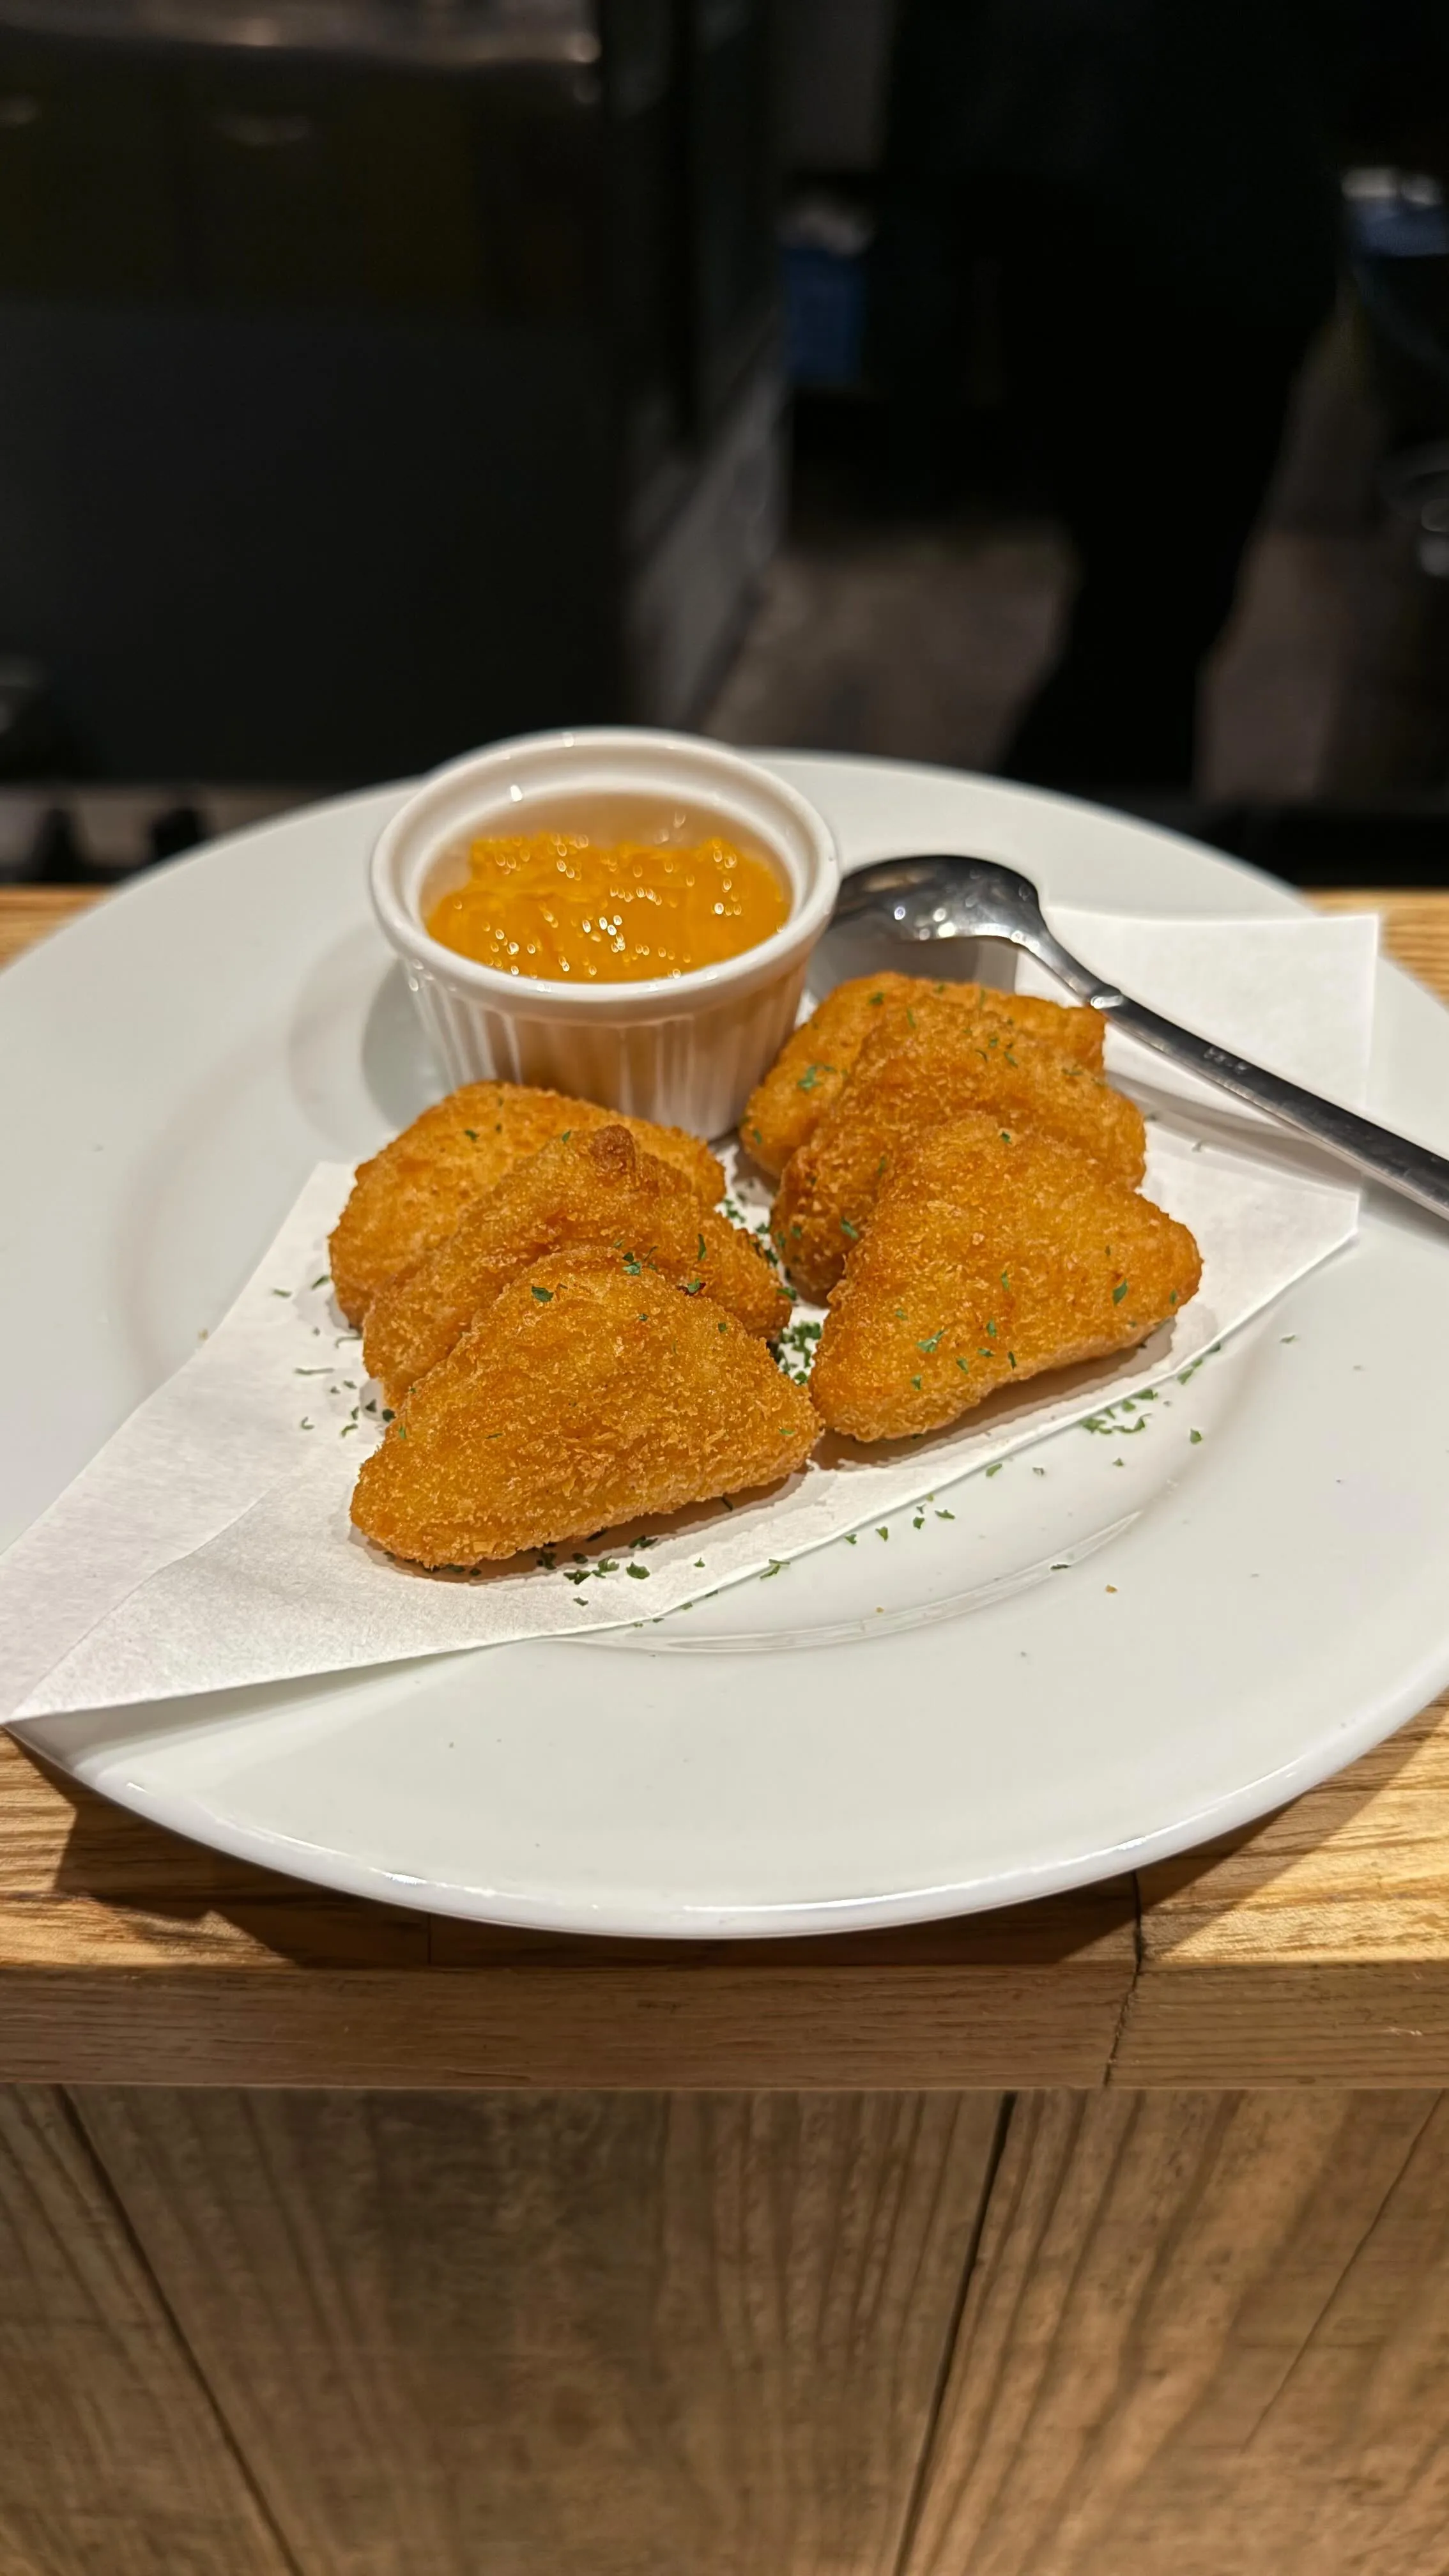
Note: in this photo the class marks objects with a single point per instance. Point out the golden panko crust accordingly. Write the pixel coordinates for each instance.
(942, 1066)
(811, 1071)
(599, 1189)
(417, 1190)
(584, 1397)
(989, 1259)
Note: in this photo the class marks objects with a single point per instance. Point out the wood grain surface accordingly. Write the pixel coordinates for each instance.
(113, 2459)
(1206, 2332)
(603, 2336)
(1313, 1950)
(31, 913)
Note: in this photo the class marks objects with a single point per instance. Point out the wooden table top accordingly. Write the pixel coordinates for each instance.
(1310, 1949)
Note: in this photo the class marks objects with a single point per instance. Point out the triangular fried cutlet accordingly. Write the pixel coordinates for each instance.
(810, 1072)
(586, 1395)
(940, 1066)
(413, 1194)
(598, 1189)
(989, 1259)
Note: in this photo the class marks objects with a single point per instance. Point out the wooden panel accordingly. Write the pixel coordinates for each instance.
(686, 2028)
(1206, 2332)
(612, 2336)
(112, 2460)
(1310, 1949)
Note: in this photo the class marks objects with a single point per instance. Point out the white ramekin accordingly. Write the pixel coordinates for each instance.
(683, 1049)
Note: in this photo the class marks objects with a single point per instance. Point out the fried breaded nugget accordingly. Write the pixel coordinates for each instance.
(990, 1258)
(413, 1194)
(583, 1397)
(598, 1189)
(810, 1072)
(916, 1077)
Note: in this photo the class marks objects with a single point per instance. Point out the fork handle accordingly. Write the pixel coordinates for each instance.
(1411, 1169)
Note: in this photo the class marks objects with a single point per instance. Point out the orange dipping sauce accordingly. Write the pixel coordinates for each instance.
(571, 910)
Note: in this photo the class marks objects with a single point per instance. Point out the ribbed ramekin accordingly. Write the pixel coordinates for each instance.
(683, 1049)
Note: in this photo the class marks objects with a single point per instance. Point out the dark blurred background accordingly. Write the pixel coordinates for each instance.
(1056, 387)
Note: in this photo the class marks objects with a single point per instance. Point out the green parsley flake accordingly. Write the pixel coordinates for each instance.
(852, 1230)
(640, 1573)
(1119, 1292)
(1194, 1437)
(544, 1296)
(996, 1466)
(931, 1344)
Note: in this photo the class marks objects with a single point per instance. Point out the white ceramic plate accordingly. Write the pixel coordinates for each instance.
(1148, 1642)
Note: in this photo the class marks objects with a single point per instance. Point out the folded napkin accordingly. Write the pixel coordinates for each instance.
(208, 1545)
